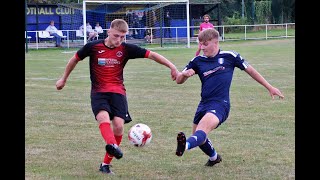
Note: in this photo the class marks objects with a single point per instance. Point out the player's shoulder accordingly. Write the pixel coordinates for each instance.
(229, 52)
(131, 46)
(92, 44)
(198, 59)
(95, 42)
(128, 44)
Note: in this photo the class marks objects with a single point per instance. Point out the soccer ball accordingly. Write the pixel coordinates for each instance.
(139, 135)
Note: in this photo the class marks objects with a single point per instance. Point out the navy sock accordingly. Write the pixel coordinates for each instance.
(207, 148)
(196, 139)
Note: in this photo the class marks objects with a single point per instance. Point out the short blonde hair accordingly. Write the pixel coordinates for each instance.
(119, 25)
(208, 34)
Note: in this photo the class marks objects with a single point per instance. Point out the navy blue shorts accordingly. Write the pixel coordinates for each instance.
(114, 103)
(220, 109)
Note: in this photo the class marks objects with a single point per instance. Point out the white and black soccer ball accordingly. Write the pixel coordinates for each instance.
(140, 135)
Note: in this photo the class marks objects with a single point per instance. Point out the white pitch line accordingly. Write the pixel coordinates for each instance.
(68, 52)
(45, 79)
(40, 79)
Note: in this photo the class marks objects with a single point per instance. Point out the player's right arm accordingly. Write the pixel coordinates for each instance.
(69, 67)
(184, 75)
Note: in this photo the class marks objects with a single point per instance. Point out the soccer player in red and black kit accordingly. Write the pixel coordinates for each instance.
(108, 94)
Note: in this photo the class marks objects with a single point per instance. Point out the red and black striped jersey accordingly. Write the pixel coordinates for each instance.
(107, 64)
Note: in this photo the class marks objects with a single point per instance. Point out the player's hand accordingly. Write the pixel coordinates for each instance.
(174, 73)
(188, 73)
(275, 92)
(60, 84)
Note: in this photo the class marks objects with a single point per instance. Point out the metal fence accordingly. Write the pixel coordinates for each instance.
(227, 33)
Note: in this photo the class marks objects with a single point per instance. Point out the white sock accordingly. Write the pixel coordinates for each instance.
(187, 145)
(213, 158)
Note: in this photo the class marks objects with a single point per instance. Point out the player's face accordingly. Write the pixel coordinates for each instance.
(115, 37)
(209, 48)
(206, 19)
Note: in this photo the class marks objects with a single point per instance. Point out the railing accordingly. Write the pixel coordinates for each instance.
(258, 31)
(178, 35)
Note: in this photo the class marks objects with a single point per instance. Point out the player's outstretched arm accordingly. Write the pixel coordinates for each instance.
(184, 75)
(164, 61)
(69, 67)
(258, 77)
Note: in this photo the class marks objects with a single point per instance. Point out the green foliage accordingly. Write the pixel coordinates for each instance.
(283, 11)
(276, 10)
(229, 7)
(235, 20)
(288, 10)
(263, 12)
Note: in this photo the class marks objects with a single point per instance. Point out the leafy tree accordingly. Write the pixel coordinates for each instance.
(276, 10)
(288, 10)
(263, 12)
(283, 11)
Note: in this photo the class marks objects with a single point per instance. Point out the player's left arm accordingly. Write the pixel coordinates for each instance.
(164, 61)
(273, 91)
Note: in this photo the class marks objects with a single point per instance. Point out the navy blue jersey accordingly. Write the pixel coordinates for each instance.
(216, 74)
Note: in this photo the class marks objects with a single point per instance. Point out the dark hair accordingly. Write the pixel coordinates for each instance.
(206, 15)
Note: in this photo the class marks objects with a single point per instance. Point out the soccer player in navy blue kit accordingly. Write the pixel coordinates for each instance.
(107, 59)
(215, 69)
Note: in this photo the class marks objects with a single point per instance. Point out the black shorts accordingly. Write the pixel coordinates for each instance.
(115, 104)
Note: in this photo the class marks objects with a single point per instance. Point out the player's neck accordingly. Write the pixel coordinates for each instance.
(214, 53)
(106, 42)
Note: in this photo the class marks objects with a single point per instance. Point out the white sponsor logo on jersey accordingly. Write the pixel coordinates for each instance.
(220, 60)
